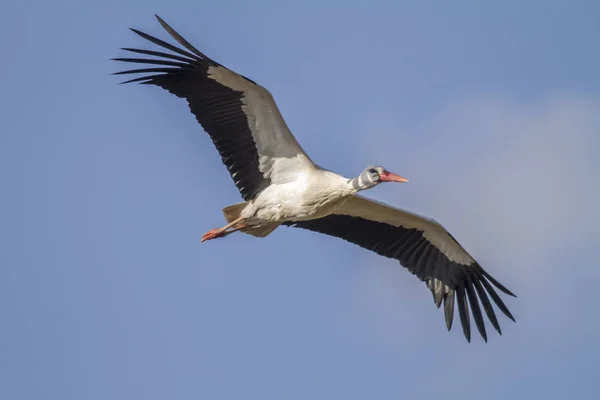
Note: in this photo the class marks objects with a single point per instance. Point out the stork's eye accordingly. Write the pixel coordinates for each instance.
(372, 171)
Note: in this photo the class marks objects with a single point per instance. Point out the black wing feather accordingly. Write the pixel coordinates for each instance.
(446, 279)
(216, 107)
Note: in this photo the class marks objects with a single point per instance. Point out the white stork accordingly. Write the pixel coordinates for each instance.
(281, 185)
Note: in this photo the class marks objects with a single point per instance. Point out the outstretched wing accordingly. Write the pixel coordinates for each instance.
(426, 249)
(239, 115)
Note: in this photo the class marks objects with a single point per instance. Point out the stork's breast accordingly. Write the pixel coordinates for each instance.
(320, 208)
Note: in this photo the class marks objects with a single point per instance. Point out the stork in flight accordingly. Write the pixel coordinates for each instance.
(281, 185)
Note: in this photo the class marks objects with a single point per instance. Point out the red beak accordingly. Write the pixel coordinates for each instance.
(391, 177)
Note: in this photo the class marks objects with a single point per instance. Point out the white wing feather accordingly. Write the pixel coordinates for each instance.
(281, 158)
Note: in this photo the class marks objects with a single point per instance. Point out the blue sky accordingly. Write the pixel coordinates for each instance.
(492, 111)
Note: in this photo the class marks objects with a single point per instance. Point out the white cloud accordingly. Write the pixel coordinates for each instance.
(517, 184)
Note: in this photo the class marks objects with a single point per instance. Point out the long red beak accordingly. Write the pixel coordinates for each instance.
(391, 177)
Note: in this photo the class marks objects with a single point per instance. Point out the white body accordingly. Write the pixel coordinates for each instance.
(315, 193)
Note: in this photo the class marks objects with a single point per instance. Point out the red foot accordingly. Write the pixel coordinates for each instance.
(213, 234)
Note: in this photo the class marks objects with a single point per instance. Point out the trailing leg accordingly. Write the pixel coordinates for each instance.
(231, 227)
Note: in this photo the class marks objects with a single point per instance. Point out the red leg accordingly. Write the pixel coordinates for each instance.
(212, 234)
(222, 232)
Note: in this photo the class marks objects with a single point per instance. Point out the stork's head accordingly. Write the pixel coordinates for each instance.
(374, 175)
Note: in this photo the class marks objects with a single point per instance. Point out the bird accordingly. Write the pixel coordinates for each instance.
(281, 186)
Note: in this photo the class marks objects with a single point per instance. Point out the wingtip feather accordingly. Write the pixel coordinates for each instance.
(490, 289)
(476, 310)
(449, 308)
(500, 286)
(180, 39)
(487, 306)
(463, 311)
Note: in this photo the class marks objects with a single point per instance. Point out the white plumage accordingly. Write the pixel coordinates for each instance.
(281, 185)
